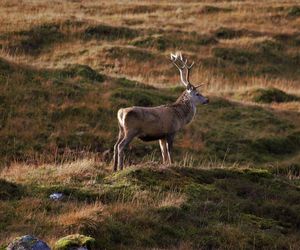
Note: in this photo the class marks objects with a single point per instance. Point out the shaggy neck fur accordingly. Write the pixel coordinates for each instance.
(184, 108)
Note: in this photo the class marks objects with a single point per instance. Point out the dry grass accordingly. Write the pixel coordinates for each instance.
(64, 173)
(87, 214)
(172, 200)
(267, 18)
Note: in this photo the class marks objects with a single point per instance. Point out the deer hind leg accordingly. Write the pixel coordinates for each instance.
(120, 138)
(163, 148)
(124, 142)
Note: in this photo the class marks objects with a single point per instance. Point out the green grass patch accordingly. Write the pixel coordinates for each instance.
(268, 95)
(130, 53)
(266, 58)
(273, 95)
(174, 41)
(83, 71)
(107, 32)
(293, 11)
(210, 9)
(227, 33)
(236, 56)
(141, 97)
(9, 190)
(35, 40)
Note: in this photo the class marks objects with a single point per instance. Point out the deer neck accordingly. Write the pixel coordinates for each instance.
(184, 108)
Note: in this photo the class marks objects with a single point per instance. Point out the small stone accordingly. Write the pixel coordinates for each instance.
(56, 196)
(27, 242)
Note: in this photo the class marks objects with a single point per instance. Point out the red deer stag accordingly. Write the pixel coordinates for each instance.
(161, 122)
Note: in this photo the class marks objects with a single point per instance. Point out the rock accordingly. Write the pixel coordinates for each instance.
(75, 242)
(27, 242)
(56, 196)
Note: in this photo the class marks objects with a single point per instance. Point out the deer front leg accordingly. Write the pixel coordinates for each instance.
(163, 148)
(169, 145)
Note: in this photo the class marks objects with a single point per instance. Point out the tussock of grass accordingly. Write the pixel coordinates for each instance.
(266, 95)
(39, 38)
(179, 40)
(83, 71)
(294, 11)
(210, 9)
(130, 53)
(270, 60)
(292, 171)
(269, 46)
(230, 33)
(288, 39)
(269, 95)
(141, 9)
(276, 145)
(106, 32)
(10, 190)
(35, 40)
(139, 97)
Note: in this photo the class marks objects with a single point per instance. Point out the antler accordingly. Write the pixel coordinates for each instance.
(204, 83)
(184, 69)
(200, 85)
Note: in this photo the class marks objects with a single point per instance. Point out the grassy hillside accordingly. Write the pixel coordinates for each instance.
(67, 67)
(147, 206)
(54, 114)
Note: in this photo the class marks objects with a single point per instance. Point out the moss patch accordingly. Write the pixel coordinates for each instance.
(75, 240)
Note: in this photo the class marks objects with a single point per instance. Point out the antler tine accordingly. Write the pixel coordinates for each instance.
(200, 85)
(189, 67)
(180, 55)
(204, 83)
(173, 57)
